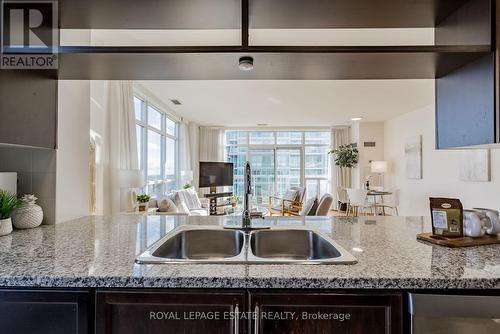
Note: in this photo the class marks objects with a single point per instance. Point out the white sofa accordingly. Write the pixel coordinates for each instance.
(187, 202)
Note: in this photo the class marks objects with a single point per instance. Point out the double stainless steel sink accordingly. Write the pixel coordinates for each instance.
(214, 244)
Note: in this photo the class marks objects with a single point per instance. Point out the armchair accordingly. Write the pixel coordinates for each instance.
(290, 204)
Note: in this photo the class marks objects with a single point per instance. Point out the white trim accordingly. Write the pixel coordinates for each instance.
(146, 94)
(277, 128)
(164, 136)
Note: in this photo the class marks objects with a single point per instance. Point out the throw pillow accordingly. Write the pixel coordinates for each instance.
(314, 208)
(194, 199)
(179, 203)
(310, 207)
(167, 205)
(189, 198)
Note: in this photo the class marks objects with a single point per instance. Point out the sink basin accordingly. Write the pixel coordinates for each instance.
(188, 244)
(214, 244)
(296, 245)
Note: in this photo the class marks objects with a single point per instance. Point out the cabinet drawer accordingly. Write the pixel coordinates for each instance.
(156, 311)
(312, 313)
(43, 311)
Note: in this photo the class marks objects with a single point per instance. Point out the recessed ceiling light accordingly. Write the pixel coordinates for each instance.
(262, 124)
(354, 119)
(246, 63)
(176, 102)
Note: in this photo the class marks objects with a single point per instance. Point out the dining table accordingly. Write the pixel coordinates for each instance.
(379, 194)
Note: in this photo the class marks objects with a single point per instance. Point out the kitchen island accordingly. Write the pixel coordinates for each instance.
(100, 252)
(81, 277)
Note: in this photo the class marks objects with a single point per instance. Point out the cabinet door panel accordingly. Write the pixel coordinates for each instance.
(28, 108)
(40, 312)
(465, 109)
(152, 312)
(292, 313)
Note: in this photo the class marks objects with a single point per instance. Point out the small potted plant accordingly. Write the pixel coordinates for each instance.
(143, 202)
(8, 203)
(234, 200)
(188, 185)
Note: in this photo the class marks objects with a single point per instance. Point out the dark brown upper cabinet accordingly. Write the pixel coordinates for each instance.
(28, 108)
(467, 98)
(150, 14)
(300, 14)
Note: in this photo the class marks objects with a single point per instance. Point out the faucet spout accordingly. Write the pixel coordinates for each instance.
(247, 221)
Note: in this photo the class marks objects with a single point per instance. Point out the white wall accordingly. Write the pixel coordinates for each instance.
(440, 168)
(99, 134)
(72, 171)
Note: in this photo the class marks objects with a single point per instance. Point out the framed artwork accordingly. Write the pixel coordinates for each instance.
(474, 165)
(413, 157)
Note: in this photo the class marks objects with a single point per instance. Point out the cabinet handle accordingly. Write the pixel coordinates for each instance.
(256, 319)
(236, 319)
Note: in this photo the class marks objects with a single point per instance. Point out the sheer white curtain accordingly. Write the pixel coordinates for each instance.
(185, 163)
(341, 177)
(194, 147)
(122, 140)
(211, 146)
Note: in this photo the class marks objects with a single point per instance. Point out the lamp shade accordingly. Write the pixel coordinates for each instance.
(378, 166)
(187, 175)
(131, 178)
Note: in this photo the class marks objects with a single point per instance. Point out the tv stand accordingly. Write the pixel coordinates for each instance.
(213, 199)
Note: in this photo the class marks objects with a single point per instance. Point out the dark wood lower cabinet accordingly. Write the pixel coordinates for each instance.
(326, 313)
(199, 311)
(162, 311)
(44, 311)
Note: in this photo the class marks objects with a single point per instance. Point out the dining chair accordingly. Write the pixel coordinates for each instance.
(342, 196)
(393, 202)
(357, 200)
(324, 205)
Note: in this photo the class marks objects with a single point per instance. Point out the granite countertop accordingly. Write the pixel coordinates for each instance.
(100, 252)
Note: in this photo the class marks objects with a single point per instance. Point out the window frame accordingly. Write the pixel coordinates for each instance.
(275, 146)
(147, 102)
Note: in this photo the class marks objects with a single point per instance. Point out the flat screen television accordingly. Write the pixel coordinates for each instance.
(216, 174)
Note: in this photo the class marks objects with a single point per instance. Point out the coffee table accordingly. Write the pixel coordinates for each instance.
(238, 211)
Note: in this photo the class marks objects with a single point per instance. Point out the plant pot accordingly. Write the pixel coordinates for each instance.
(5, 226)
(28, 216)
(143, 207)
(234, 204)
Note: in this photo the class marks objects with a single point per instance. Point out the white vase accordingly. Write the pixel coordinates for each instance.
(28, 216)
(5, 226)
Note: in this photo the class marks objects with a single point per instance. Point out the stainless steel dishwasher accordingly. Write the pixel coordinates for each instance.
(454, 314)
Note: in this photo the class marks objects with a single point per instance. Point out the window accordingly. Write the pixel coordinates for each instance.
(280, 160)
(156, 146)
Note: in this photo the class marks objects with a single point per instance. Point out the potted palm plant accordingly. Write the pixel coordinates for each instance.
(8, 203)
(143, 202)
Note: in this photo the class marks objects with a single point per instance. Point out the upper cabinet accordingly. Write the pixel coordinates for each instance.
(465, 106)
(467, 97)
(290, 58)
(28, 105)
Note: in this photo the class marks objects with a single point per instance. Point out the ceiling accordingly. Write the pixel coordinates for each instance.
(294, 103)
